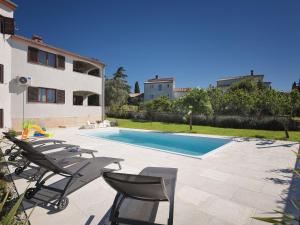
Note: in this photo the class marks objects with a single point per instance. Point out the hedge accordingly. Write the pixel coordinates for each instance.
(265, 123)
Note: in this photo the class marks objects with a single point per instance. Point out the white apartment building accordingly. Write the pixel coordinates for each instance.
(43, 83)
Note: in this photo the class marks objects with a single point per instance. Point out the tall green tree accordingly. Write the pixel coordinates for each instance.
(295, 102)
(216, 97)
(120, 74)
(197, 99)
(117, 89)
(294, 86)
(161, 104)
(136, 87)
(248, 85)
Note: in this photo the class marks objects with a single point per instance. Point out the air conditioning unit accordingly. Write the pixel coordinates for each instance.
(23, 81)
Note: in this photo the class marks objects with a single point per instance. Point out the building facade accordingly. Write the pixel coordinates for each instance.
(157, 87)
(226, 82)
(60, 88)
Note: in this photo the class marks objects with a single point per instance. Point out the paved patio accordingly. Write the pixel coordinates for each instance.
(246, 178)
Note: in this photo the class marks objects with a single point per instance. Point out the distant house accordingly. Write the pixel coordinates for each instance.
(157, 87)
(228, 81)
(135, 98)
(179, 92)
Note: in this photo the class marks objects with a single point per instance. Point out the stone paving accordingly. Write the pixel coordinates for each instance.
(245, 178)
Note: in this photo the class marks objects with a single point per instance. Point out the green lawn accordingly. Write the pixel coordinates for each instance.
(171, 127)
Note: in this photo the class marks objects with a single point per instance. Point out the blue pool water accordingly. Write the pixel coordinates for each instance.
(183, 144)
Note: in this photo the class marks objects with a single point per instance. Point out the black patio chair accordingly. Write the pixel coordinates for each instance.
(67, 152)
(76, 176)
(138, 196)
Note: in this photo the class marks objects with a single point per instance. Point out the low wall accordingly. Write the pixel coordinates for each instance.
(56, 121)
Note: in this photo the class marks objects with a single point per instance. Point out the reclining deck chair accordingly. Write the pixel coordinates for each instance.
(138, 196)
(14, 151)
(57, 155)
(76, 176)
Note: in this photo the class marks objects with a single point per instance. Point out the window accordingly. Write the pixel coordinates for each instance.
(42, 95)
(77, 100)
(159, 87)
(51, 95)
(46, 95)
(45, 58)
(51, 60)
(42, 57)
(1, 74)
(93, 100)
(7, 25)
(33, 54)
(60, 62)
(151, 96)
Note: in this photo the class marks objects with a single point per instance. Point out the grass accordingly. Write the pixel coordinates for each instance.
(172, 127)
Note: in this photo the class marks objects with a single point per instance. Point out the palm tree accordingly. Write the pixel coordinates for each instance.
(120, 74)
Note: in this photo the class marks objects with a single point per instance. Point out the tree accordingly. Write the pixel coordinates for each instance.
(116, 92)
(198, 99)
(246, 84)
(239, 102)
(136, 87)
(117, 89)
(216, 97)
(294, 86)
(120, 74)
(161, 104)
(295, 102)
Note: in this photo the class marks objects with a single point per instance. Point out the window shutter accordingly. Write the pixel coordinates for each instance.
(1, 74)
(60, 96)
(9, 26)
(60, 62)
(1, 118)
(33, 93)
(1, 24)
(32, 54)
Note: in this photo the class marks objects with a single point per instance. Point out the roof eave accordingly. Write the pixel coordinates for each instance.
(61, 51)
(9, 4)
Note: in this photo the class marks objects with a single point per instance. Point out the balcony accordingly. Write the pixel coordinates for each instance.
(86, 68)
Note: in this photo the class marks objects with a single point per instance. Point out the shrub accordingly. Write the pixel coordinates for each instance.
(264, 123)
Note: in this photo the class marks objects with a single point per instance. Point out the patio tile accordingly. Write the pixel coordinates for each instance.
(192, 195)
(247, 183)
(256, 200)
(230, 212)
(217, 188)
(214, 174)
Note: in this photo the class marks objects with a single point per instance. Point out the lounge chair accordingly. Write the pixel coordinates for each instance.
(138, 196)
(14, 151)
(69, 152)
(76, 176)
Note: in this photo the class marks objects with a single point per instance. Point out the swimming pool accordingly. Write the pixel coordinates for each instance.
(181, 144)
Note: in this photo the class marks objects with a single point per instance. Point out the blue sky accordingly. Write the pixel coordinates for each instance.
(196, 42)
